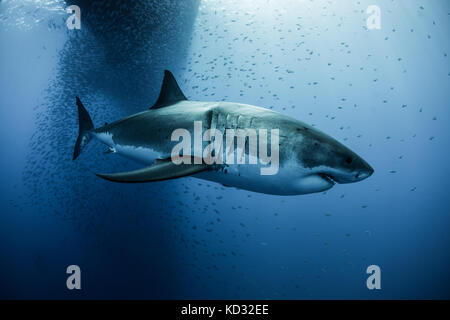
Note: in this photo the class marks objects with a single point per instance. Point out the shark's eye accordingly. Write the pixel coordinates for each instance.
(349, 160)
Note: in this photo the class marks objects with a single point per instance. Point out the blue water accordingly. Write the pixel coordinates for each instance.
(384, 93)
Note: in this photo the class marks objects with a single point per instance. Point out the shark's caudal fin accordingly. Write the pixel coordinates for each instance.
(170, 92)
(85, 126)
(161, 170)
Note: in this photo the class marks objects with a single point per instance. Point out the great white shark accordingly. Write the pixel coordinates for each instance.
(309, 160)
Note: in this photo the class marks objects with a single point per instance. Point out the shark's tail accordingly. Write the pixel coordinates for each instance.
(85, 127)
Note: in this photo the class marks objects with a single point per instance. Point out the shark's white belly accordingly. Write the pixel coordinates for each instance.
(144, 155)
(288, 181)
(140, 154)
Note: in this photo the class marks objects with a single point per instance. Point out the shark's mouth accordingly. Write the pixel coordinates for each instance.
(328, 177)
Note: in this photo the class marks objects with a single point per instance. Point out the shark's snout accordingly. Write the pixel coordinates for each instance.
(358, 171)
(364, 173)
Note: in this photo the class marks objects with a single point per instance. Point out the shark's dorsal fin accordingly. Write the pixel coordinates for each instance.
(170, 92)
(160, 170)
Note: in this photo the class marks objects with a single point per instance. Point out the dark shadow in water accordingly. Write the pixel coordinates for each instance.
(115, 64)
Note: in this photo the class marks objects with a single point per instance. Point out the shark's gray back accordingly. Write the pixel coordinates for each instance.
(153, 128)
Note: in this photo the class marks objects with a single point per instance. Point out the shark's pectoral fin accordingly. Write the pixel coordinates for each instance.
(161, 170)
